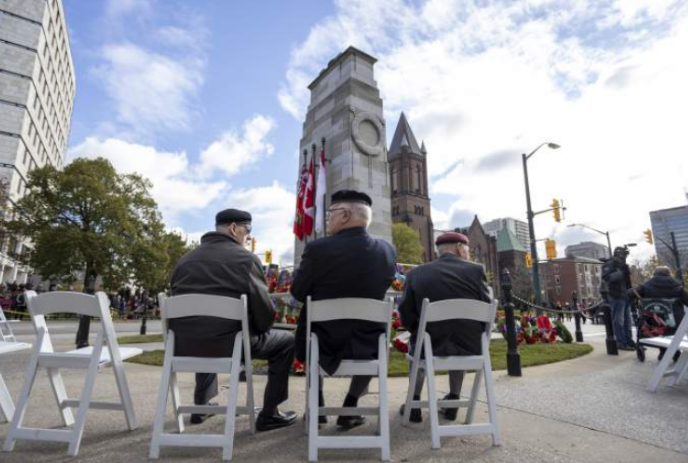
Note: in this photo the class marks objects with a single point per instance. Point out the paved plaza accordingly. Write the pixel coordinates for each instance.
(592, 409)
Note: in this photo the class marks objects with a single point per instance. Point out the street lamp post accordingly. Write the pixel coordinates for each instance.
(531, 216)
(609, 243)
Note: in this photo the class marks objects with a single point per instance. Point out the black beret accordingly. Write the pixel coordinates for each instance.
(451, 237)
(351, 196)
(231, 215)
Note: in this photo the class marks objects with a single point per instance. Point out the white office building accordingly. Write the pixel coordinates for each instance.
(37, 88)
(517, 227)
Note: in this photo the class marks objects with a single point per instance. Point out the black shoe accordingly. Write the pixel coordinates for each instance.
(348, 422)
(276, 421)
(416, 416)
(450, 413)
(632, 344)
(197, 418)
(622, 347)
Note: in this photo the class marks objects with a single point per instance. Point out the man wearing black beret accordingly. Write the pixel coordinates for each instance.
(348, 263)
(452, 276)
(222, 266)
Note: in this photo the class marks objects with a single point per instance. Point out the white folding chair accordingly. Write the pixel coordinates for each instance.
(340, 309)
(8, 343)
(6, 404)
(208, 306)
(6, 333)
(92, 359)
(423, 358)
(676, 343)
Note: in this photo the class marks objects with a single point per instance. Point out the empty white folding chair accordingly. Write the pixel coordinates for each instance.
(676, 343)
(6, 333)
(207, 306)
(91, 359)
(6, 404)
(8, 344)
(341, 309)
(423, 358)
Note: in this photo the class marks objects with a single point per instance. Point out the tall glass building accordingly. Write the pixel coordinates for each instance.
(664, 222)
(37, 88)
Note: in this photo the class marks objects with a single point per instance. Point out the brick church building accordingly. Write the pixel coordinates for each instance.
(408, 169)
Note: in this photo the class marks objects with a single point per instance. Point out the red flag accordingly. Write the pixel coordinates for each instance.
(309, 201)
(300, 192)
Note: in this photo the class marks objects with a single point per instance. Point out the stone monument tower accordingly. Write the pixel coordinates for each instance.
(346, 110)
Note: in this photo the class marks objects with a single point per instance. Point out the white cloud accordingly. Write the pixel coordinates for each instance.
(482, 82)
(173, 189)
(233, 151)
(272, 208)
(116, 8)
(150, 91)
(180, 186)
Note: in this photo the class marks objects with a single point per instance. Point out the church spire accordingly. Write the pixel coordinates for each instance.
(403, 136)
(422, 148)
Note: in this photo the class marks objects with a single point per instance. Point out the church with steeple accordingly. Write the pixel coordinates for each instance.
(408, 169)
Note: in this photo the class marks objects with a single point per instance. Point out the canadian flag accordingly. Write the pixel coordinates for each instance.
(321, 191)
(300, 193)
(309, 202)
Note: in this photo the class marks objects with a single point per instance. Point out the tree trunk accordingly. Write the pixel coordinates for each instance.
(85, 320)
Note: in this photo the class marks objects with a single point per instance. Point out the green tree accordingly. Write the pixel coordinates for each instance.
(89, 218)
(407, 242)
(157, 256)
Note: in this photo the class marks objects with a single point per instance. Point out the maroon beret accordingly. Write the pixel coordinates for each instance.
(451, 237)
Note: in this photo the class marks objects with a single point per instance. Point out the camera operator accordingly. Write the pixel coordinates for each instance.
(617, 275)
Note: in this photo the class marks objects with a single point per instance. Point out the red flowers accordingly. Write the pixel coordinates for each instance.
(298, 367)
(401, 346)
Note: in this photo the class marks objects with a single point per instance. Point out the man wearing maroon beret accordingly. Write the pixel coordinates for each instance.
(452, 276)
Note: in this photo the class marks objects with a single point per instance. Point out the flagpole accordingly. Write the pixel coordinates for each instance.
(315, 187)
(305, 163)
(324, 209)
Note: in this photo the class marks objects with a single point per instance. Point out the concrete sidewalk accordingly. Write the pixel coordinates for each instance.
(592, 409)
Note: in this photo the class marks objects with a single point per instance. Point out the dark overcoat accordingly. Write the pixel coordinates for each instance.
(348, 264)
(222, 267)
(448, 277)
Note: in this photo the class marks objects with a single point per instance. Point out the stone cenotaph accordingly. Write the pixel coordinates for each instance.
(346, 110)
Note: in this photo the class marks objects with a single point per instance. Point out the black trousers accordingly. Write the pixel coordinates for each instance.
(277, 347)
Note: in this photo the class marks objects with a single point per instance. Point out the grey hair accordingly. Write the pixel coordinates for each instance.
(360, 211)
(454, 248)
(662, 270)
(222, 229)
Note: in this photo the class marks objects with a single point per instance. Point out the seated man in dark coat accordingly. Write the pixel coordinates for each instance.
(451, 276)
(348, 263)
(222, 266)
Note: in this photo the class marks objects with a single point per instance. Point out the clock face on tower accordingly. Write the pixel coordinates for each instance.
(368, 133)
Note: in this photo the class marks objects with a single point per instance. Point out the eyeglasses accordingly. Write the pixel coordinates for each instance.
(329, 212)
(247, 227)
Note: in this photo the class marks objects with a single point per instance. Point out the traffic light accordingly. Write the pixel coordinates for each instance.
(529, 261)
(268, 257)
(551, 249)
(253, 244)
(556, 209)
(648, 236)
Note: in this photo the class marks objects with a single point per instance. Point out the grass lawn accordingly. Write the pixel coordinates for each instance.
(531, 355)
(138, 339)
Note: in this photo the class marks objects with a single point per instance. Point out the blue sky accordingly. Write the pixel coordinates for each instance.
(206, 99)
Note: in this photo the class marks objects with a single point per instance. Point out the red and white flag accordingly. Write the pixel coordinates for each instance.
(309, 202)
(300, 193)
(321, 191)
